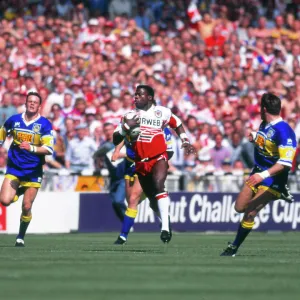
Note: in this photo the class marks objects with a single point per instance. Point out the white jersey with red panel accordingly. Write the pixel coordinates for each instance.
(151, 141)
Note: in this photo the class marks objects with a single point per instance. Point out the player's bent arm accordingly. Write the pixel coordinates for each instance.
(39, 150)
(116, 154)
(274, 170)
(117, 138)
(181, 133)
(188, 147)
(2, 135)
(287, 152)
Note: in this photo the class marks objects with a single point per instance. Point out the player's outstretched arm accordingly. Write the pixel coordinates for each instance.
(35, 149)
(116, 154)
(186, 145)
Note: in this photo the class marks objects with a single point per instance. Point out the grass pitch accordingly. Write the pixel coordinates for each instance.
(88, 266)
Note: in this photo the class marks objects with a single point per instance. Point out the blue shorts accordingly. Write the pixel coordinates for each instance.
(130, 173)
(28, 178)
(274, 184)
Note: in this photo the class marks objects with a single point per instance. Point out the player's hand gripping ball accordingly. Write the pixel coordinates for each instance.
(131, 125)
(131, 120)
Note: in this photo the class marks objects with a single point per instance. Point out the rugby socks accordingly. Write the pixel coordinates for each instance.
(243, 231)
(156, 211)
(128, 222)
(24, 223)
(163, 202)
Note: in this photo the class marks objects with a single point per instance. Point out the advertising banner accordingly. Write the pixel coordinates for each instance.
(51, 213)
(2, 218)
(189, 212)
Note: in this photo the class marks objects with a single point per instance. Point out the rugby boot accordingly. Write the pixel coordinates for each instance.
(19, 243)
(165, 236)
(170, 227)
(286, 195)
(120, 240)
(231, 250)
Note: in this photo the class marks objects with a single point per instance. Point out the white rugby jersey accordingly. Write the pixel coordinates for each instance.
(151, 141)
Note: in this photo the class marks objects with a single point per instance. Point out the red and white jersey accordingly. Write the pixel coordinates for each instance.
(151, 141)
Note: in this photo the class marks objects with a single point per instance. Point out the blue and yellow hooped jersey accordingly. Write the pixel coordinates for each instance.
(275, 142)
(37, 132)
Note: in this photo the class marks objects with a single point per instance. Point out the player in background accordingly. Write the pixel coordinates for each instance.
(151, 159)
(275, 146)
(32, 140)
(134, 191)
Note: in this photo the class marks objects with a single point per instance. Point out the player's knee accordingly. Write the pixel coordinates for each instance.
(26, 207)
(159, 186)
(5, 202)
(239, 208)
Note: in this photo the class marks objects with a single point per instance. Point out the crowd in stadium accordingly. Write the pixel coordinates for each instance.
(86, 57)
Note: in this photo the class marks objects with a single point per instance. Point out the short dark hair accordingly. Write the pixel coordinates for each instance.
(272, 103)
(148, 88)
(34, 94)
(106, 124)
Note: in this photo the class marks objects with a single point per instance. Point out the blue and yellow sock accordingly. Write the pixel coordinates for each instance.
(243, 230)
(128, 221)
(24, 223)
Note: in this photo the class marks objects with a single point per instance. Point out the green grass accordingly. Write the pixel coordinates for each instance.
(88, 266)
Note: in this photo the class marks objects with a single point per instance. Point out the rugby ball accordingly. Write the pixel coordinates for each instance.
(131, 115)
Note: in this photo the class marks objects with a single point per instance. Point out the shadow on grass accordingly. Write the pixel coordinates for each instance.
(124, 250)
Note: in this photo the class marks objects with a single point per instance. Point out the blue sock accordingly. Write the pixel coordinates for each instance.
(243, 230)
(128, 221)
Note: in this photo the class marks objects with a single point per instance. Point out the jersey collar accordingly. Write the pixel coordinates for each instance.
(150, 108)
(30, 122)
(276, 121)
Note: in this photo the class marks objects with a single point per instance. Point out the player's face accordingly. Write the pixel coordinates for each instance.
(32, 104)
(263, 113)
(141, 98)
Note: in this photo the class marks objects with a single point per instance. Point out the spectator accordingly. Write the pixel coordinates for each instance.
(236, 147)
(64, 8)
(57, 97)
(119, 8)
(68, 106)
(6, 108)
(80, 151)
(57, 117)
(219, 153)
(144, 17)
(215, 41)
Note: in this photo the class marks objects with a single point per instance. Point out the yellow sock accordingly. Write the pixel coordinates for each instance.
(26, 219)
(247, 225)
(131, 212)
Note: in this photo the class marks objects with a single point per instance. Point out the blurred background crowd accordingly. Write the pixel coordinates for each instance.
(209, 61)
